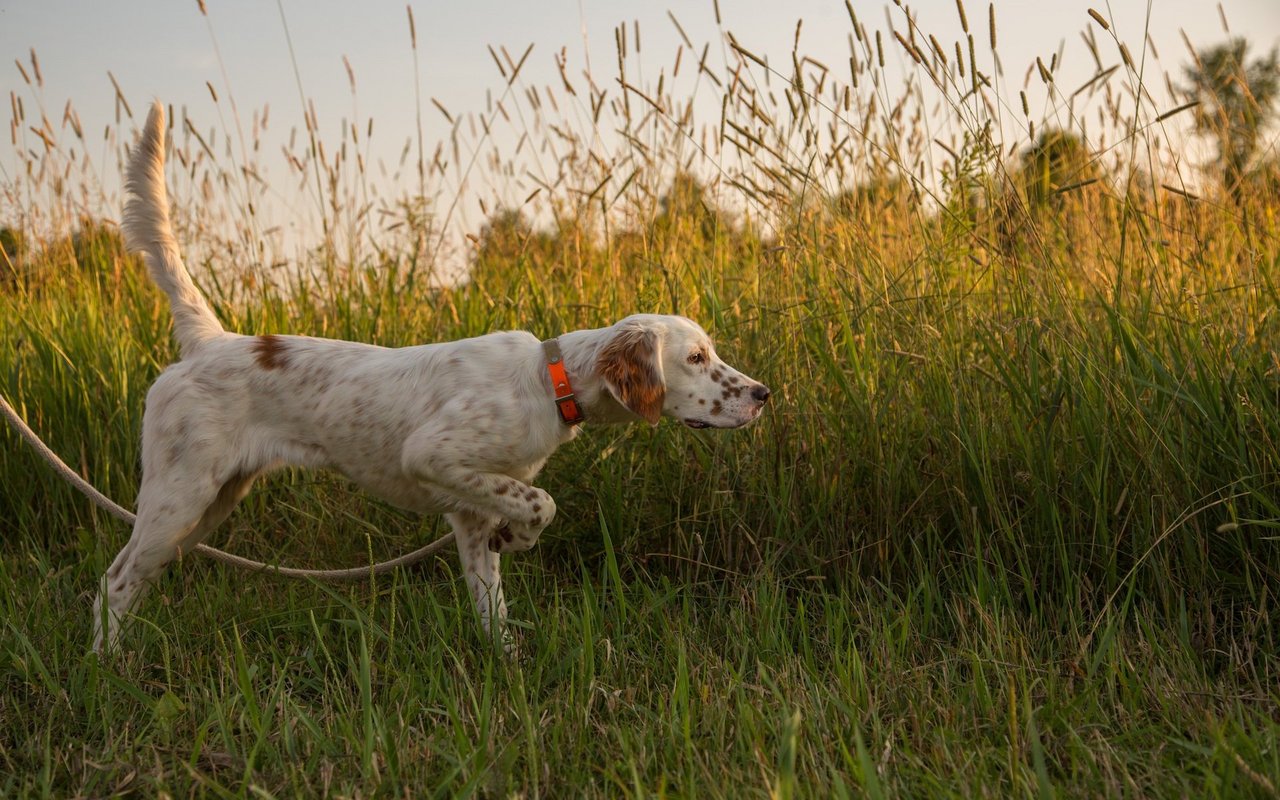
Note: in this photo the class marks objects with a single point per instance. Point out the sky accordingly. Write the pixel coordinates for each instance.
(169, 50)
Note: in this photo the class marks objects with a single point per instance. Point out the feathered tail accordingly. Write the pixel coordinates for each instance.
(146, 230)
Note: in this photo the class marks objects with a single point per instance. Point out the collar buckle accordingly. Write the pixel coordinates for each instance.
(567, 405)
(566, 402)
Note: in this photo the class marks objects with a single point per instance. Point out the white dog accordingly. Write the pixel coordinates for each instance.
(458, 428)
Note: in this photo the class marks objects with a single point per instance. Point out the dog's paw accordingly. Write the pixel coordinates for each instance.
(506, 640)
(513, 537)
(510, 643)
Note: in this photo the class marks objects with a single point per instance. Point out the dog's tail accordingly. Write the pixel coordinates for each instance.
(146, 230)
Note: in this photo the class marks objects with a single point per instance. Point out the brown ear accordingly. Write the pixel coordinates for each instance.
(631, 369)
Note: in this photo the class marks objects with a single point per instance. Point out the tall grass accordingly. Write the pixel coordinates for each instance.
(1009, 528)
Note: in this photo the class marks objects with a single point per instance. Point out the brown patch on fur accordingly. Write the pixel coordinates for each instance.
(270, 351)
(715, 407)
(629, 366)
(503, 489)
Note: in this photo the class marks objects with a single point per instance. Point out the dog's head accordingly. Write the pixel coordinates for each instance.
(659, 365)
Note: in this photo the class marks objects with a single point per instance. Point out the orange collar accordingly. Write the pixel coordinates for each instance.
(566, 403)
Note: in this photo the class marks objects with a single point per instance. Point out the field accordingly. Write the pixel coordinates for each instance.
(1009, 527)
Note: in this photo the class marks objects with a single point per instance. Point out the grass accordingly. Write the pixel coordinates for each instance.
(1010, 528)
(648, 686)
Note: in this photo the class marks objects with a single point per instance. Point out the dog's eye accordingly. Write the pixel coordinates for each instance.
(697, 358)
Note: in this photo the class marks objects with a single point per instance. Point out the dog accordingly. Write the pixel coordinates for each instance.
(458, 428)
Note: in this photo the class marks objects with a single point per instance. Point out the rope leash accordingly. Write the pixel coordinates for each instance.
(112, 508)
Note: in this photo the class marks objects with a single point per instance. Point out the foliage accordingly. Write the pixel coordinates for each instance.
(1238, 100)
(1058, 160)
(1007, 527)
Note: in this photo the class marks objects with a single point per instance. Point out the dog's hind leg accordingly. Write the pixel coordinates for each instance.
(175, 512)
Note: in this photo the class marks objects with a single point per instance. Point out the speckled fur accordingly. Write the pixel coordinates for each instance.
(458, 428)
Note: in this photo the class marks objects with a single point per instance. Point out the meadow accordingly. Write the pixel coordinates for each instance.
(1009, 526)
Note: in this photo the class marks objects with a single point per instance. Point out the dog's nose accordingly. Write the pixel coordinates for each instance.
(760, 393)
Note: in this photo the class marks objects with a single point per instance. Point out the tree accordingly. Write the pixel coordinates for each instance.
(1056, 160)
(12, 243)
(1237, 101)
(509, 239)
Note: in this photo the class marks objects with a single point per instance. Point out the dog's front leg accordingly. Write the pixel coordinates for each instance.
(442, 463)
(480, 566)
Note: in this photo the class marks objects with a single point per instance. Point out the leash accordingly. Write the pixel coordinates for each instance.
(112, 508)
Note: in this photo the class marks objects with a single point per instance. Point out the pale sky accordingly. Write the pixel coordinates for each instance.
(166, 49)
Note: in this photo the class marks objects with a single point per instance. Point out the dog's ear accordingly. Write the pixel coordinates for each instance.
(631, 367)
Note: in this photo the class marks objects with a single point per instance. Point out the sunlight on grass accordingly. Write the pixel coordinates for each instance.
(1009, 526)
